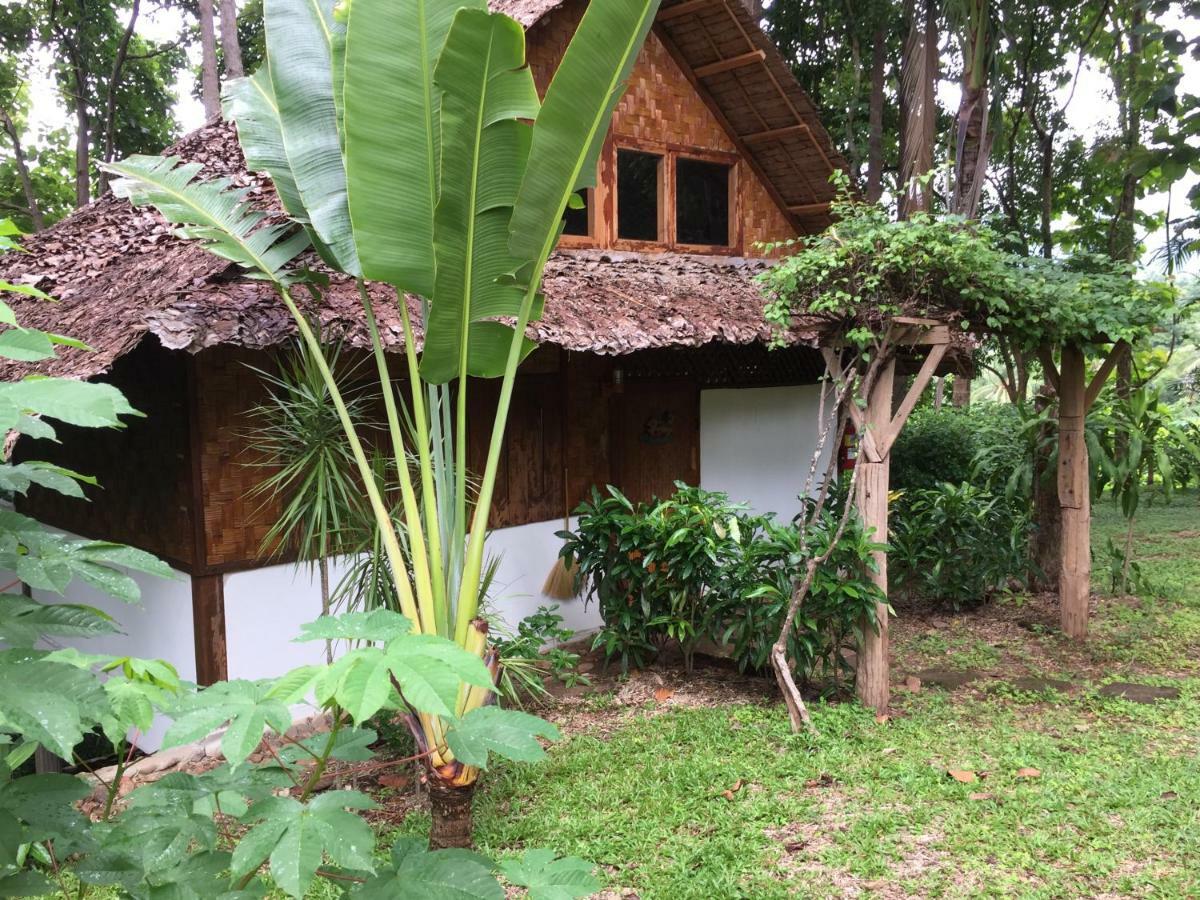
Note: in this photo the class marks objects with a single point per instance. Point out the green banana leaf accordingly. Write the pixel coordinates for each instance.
(211, 212)
(486, 89)
(250, 102)
(575, 114)
(299, 51)
(392, 134)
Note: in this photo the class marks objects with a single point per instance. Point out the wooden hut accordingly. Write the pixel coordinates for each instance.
(652, 367)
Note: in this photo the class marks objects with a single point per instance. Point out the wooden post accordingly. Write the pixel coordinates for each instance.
(871, 497)
(1075, 577)
(208, 625)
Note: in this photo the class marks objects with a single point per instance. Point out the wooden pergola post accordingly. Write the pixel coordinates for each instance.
(1076, 395)
(878, 427)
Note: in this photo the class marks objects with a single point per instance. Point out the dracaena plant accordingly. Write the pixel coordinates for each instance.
(408, 146)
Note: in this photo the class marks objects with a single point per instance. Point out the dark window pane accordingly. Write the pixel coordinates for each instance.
(701, 202)
(637, 195)
(577, 220)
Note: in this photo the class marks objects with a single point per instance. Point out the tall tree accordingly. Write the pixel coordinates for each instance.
(972, 20)
(230, 48)
(210, 82)
(918, 104)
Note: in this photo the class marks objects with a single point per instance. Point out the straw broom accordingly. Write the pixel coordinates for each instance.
(561, 583)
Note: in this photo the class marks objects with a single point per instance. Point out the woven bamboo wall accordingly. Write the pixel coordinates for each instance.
(660, 111)
(144, 497)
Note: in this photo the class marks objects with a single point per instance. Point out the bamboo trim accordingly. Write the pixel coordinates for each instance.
(807, 209)
(773, 133)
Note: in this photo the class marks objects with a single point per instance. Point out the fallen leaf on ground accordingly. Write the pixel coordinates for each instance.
(823, 781)
(963, 776)
(887, 751)
(912, 683)
(979, 796)
(394, 781)
(663, 694)
(882, 719)
(1029, 773)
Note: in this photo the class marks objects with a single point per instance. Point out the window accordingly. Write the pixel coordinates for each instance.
(701, 202)
(637, 195)
(579, 221)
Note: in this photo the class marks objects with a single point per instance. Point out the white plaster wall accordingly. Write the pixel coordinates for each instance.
(264, 609)
(756, 445)
(527, 554)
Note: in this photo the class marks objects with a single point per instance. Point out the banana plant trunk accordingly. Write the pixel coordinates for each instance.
(451, 809)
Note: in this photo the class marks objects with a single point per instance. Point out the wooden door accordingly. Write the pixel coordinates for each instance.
(657, 438)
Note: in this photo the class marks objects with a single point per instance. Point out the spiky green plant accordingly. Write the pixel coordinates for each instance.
(399, 138)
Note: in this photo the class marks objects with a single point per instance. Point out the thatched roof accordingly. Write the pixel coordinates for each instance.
(118, 274)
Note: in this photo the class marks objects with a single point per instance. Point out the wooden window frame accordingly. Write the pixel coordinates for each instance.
(670, 154)
(592, 238)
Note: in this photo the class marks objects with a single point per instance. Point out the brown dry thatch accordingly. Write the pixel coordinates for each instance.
(117, 273)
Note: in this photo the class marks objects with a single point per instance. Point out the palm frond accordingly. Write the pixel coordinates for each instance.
(212, 212)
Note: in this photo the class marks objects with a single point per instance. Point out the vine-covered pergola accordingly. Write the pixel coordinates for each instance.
(878, 291)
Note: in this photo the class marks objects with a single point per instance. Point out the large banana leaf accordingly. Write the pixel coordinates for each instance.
(211, 212)
(392, 134)
(486, 89)
(299, 53)
(575, 114)
(250, 102)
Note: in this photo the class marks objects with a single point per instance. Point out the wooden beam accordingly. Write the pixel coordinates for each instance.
(915, 390)
(773, 133)
(1097, 383)
(208, 626)
(754, 57)
(1046, 357)
(683, 9)
(809, 209)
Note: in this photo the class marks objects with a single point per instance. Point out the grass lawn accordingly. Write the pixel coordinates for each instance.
(1074, 794)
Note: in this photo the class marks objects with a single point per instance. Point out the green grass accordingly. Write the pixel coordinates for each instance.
(867, 808)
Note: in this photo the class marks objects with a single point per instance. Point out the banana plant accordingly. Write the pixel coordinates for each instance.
(408, 147)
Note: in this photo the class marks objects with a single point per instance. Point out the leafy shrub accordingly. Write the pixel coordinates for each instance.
(957, 544)
(531, 654)
(982, 444)
(751, 608)
(696, 567)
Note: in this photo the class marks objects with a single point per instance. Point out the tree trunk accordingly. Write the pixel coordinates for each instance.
(210, 85)
(229, 40)
(114, 82)
(14, 137)
(875, 120)
(939, 392)
(973, 142)
(960, 391)
(871, 498)
(1046, 540)
(1047, 192)
(1075, 584)
(451, 809)
(83, 178)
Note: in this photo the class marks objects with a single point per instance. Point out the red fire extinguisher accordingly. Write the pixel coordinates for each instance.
(848, 451)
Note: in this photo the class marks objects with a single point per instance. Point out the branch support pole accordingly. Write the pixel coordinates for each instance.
(871, 498)
(1075, 579)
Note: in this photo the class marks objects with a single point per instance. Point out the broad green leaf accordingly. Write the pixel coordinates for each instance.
(486, 90)
(392, 134)
(297, 837)
(211, 212)
(416, 873)
(47, 702)
(246, 706)
(74, 402)
(508, 733)
(299, 35)
(376, 625)
(250, 103)
(551, 877)
(27, 289)
(26, 345)
(23, 621)
(574, 119)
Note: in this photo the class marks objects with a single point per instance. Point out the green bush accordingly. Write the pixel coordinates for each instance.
(696, 566)
(957, 544)
(982, 444)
